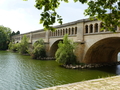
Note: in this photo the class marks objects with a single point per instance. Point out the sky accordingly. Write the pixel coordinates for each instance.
(23, 16)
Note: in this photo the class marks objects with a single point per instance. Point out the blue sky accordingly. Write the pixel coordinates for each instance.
(23, 16)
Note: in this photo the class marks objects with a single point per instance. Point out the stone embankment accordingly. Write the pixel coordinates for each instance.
(109, 83)
(82, 66)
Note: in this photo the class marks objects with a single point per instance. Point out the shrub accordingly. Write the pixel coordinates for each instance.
(40, 41)
(13, 47)
(65, 54)
(38, 51)
(23, 45)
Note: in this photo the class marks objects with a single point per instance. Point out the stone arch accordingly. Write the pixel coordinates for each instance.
(86, 28)
(69, 31)
(66, 31)
(54, 33)
(34, 42)
(96, 27)
(54, 48)
(51, 33)
(63, 32)
(72, 30)
(103, 51)
(101, 26)
(75, 30)
(58, 33)
(91, 28)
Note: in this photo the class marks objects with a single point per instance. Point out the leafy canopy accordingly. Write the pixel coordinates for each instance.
(15, 33)
(4, 37)
(107, 11)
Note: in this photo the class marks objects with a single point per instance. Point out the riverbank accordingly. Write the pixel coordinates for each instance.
(109, 83)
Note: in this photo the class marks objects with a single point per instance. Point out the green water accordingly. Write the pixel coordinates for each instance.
(18, 72)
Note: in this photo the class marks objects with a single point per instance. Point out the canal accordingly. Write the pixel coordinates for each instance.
(18, 72)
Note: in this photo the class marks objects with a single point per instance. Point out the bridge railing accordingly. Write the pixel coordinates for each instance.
(61, 32)
(95, 28)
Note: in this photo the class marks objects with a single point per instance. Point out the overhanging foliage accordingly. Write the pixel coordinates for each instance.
(108, 11)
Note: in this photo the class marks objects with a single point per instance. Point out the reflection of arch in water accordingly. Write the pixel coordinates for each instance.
(103, 51)
(54, 48)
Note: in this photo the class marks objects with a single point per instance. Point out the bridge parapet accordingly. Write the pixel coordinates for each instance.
(95, 27)
(71, 31)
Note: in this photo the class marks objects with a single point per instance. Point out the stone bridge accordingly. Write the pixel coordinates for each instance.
(93, 45)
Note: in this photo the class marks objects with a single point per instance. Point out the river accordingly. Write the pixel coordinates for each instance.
(18, 72)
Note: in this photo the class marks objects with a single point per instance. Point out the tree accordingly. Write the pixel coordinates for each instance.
(23, 45)
(108, 11)
(4, 37)
(40, 41)
(13, 33)
(38, 51)
(18, 32)
(65, 53)
(13, 46)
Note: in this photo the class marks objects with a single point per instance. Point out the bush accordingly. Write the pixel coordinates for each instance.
(4, 37)
(13, 47)
(23, 45)
(38, 51)
(65, 54)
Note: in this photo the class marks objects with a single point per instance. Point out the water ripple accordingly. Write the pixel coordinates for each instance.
(19, 72)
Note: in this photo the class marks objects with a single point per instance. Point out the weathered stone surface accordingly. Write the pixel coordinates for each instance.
(94, 45)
